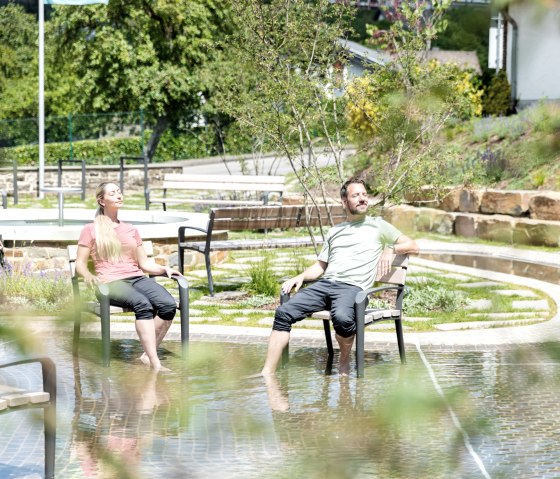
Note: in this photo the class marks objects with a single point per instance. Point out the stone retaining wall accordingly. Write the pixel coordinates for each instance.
(509, 216)
(538, 205)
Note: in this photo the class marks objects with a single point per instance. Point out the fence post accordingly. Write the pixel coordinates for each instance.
(59, 182)
(83, 180)
(15, 181)
(70, 136)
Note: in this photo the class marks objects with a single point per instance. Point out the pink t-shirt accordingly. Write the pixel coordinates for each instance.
(127, 265)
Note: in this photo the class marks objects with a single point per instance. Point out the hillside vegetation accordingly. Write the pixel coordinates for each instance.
(521, 151)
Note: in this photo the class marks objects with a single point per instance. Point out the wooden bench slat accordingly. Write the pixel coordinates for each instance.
(248, 244)
(276, 180)
(253, 189)
(231, 186)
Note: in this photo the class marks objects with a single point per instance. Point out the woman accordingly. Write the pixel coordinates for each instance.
(120, 262)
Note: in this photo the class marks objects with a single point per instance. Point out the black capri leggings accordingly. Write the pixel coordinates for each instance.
(144, 296)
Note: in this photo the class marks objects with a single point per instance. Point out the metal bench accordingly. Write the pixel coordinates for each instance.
(256, 218)
(228, 190)
(17, 399)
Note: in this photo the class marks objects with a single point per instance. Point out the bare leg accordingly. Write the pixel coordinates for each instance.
(161, 327)
(147, 334)
(277, 400)
(345, 345)
(276, 343)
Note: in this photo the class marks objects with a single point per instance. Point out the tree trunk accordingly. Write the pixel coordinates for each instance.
(162, 123)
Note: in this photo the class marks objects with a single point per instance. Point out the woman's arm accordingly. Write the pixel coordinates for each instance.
(82, 258)
(151, 267)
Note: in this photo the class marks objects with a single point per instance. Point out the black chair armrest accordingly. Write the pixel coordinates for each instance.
(183, 228)
(362, 295)
(48, 369)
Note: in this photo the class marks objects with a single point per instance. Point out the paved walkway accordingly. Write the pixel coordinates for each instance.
(472, 338)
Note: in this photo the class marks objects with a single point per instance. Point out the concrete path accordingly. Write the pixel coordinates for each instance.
(469, 338)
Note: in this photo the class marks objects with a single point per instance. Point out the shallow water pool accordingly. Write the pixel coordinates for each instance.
(448, 413)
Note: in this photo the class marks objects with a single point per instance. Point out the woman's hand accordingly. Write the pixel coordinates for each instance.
(171, 272)
(91, 280)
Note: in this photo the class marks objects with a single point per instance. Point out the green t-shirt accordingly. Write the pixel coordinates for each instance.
(352, 250)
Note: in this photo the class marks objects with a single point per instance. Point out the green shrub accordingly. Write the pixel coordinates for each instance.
(44, 292)
(263, 280)
(430, 297)
(497, 97)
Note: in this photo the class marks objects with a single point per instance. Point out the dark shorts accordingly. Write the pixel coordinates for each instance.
(144, 296)
(337, 297)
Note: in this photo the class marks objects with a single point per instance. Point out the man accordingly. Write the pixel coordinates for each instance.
(352, 254)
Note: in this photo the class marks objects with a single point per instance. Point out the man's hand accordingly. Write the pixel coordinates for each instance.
(385, 262)
(294, 283)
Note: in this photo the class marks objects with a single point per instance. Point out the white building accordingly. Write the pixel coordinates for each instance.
(531, 57)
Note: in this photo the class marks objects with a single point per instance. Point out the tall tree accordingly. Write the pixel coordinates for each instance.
(398, 110)
(140, 54)
(18, 62)
(283, 84)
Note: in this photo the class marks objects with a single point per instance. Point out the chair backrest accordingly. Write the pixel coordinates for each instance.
(73, 252)
(270, 217)
(397, 275)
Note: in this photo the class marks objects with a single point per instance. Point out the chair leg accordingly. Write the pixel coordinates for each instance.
(184, 312)
(400, 340)
(359, 310)
(76, 335)
(328, 338)
(209, 273)
(105, 330)
(49, 416)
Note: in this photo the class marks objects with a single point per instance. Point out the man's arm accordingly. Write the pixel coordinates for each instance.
(406, 245)
(403, 245)
(310, 274)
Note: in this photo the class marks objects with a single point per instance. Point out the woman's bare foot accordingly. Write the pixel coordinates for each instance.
(145, 360)
(160, 369)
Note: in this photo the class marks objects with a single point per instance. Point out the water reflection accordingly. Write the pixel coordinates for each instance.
(115, 418)
(543, 272)
(208, 419)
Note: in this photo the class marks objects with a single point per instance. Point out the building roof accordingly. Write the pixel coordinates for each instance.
(364, 54)
(464, 59)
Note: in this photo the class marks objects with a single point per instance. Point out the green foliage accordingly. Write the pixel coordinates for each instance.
(263, 280)
(257, 301)
(131, 55)
(279, 83)
(396, 111)
(43, 292)
(18, 62)
(497, 98)
(467, 29)
(429, 296)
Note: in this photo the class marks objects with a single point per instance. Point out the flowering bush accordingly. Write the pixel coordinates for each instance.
(43, 291)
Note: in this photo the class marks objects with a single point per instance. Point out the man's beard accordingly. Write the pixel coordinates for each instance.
(355, 211)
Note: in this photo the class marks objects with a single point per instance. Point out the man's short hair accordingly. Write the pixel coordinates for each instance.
(344, 189)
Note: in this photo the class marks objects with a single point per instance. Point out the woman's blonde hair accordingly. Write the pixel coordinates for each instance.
(106, 240)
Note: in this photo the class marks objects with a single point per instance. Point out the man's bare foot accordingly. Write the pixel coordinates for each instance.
(344, 366)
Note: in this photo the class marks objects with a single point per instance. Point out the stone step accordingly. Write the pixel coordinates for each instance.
(523, 314)
(478, 284)
(527, 293)
(539, 304)
(484, 324)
